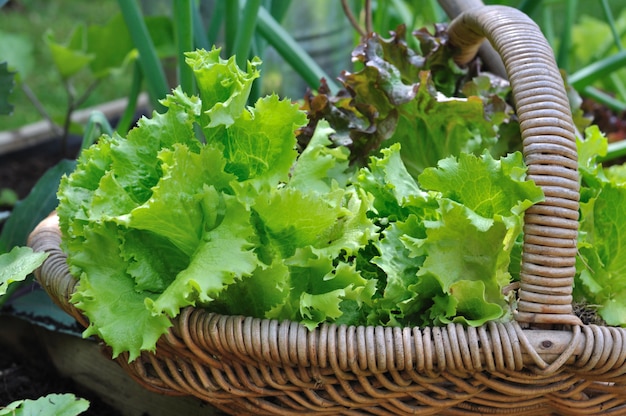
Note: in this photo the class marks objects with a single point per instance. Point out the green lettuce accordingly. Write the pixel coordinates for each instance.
(211, 205)
(446, 249)
(601, 263)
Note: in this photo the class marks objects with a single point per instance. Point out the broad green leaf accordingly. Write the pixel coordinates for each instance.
(244, 297)
(68, 61)
(17, 51)
(336, 222)
(590, 149)
(135, 159)
(109, 44)
(317, 289)
(472, 306)
(153, 261)
(432, 127)
(17, 264)
(616, 174)
(396, 193)
(458, 248)
(51, 404)
(401, 297)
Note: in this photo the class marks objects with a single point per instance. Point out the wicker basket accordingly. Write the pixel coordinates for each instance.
(545, 361)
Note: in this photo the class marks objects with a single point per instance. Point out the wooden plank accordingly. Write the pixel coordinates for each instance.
(42, 131)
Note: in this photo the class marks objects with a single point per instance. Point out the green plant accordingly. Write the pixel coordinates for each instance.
(258, 24)
(302, 237)
(51, 404)
(78, 65)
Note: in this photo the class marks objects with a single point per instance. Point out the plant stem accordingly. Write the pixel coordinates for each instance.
(32, 97)
(352, 18)
(123, 125)
(291, 52)
(597, 70)
(200, 40)
(72, 104)
(547, 24)
(247, 25)
(278, 9)
(231, 21)
(604, 99)
(183, 28)
(96, 126)
(150, 64)
(609, 18)
(217, 17)
(528, 6)
(566, 34)
(616, 150)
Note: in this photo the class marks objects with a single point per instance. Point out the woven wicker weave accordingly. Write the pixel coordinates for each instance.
(544, 362)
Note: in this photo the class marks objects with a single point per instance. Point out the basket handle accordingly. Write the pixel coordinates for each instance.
(549, 147)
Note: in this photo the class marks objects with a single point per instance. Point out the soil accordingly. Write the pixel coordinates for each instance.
(21, 170)
(30, 378)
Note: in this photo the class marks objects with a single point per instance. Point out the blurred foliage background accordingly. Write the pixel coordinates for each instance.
(581, 32)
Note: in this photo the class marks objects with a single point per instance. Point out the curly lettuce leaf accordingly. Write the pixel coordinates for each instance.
(223, 255)
(260, 144)
(321, 168)
(487, 186)
(603, 254)
(224, 88)
(318, 289)
(191, 202)
(601, 262)
(448, 260)
(171, 212)
(108, 297)
(431, 127)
